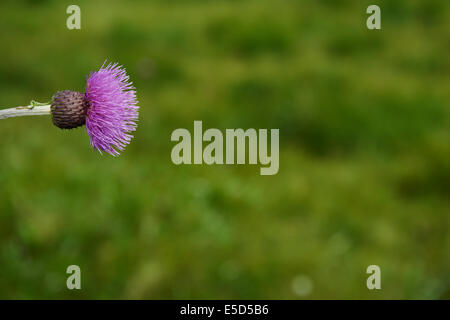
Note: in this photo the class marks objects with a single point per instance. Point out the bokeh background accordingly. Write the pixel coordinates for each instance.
(364, 174)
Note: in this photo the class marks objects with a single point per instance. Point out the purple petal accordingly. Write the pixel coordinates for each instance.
(112, 112)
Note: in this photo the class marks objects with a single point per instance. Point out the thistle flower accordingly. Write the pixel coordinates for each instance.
(108, 108)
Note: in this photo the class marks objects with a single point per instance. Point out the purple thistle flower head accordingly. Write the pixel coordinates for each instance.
(112, 110)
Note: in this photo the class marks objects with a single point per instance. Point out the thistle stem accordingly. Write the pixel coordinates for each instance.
(32, 110)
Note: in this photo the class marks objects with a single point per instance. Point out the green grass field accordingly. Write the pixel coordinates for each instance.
(364, 119)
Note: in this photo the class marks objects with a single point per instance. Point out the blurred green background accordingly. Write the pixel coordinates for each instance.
(364, 174)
